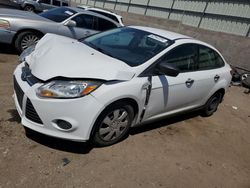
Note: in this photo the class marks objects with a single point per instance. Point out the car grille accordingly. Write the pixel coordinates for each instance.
(19, 92)
(31, 113)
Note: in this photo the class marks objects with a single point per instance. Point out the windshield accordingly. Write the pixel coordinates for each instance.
(58, 14)
(129, 45)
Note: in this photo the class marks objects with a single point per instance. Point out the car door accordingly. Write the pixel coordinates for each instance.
(209, 71)
(85, 25)
(183, 92)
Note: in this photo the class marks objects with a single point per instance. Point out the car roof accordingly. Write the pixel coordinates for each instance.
(166, 34)
(105, 11)
(173, 36)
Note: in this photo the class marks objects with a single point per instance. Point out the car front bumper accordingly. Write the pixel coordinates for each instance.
(6, 36)
(42, 114)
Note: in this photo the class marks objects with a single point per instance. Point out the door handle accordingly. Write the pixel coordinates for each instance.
(189, 82)
(216, 78)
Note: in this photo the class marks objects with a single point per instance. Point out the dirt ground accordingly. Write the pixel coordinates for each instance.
(184, 151)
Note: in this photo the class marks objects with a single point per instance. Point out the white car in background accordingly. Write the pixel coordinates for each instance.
(117, 18)
(99, 87)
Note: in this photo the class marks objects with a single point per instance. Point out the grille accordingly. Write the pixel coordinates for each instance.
(19, 93)
(31, 113)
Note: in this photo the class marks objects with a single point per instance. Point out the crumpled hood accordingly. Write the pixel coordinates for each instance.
(59, 56)
(12, 13)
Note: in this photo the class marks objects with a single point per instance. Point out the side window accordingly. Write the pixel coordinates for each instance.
(209, 59)
(65, 4)
(45, 1)
(106, 14)
(183, 57)
(104, 25)
(84, 21)
(56, 3)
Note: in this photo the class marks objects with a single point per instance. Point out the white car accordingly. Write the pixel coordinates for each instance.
(101, 86)
(115, 17)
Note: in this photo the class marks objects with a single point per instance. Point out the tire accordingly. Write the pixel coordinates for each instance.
(212, 104)
(29, 8)
(26, 39)
(113, 124)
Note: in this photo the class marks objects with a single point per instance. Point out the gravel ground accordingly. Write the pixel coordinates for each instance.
(184, 151)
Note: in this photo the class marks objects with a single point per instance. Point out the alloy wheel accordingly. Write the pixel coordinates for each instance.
(114, 124)
(29, 40)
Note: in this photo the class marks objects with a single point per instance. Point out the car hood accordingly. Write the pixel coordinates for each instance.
(12, 13)
(59, 56)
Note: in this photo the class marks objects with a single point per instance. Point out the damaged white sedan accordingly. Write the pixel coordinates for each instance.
(99, 87)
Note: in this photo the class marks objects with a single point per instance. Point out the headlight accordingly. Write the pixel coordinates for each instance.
(26, 52)
(67, 89)
(4, 24)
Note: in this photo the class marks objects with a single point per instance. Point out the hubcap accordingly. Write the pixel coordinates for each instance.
(29, 40)
(114, 124)
(28, 8)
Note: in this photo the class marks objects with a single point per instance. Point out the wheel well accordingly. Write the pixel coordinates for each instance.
(222, 91)
(130, 101)
(25, 30)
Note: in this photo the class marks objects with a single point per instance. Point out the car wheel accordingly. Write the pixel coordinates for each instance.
(29, 8)
(26, 39)
(212, 104)
(113, 124)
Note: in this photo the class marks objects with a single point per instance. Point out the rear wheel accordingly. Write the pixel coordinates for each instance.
(26, 39)
(113, 124)
(212, 104)
(29, 8)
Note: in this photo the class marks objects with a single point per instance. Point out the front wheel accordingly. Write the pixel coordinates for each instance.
(26, 39)
(113, 124)
(29, 8)
(212, 104)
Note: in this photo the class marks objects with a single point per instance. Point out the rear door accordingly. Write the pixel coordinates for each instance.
(210, 70)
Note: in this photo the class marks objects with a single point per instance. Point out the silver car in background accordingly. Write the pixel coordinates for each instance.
(40, 5)
(23, 29)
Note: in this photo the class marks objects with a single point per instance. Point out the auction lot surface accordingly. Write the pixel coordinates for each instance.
(185, 151)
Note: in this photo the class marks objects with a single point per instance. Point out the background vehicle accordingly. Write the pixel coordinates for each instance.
(98, 87)
(9, 4)
(40, 5)
(23, 29)
(109, 14)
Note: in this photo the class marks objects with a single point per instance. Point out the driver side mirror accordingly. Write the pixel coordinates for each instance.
(39, 1)
(167, 69)
(70, 23)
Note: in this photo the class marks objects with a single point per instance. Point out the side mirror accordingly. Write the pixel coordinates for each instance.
(167, 69)
(39, 1)
(70, 23)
